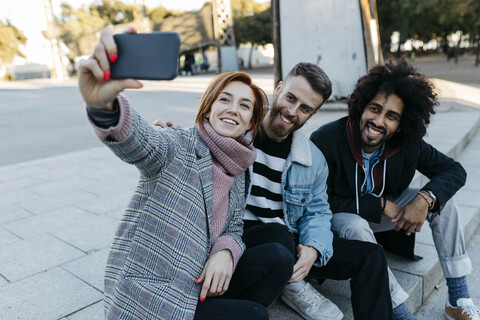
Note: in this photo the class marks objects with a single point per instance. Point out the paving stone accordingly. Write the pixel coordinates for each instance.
(280, 310)
(16, 197)
(428, 268)
(39, 204)
(111, 186)
(412, 284)
(105, 204)
(48, 296)
(20, 183)
(90, 268)
(420, 267)
(49, 222)
(3, 282)
(425, 235)
(27, 257)
(15, 172)
(93, 312)
(11, 213)
(60, 188)
(6, 237)
(90, 234)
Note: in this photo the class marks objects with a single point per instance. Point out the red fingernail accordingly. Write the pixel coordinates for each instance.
(202, 299)
(113, 58)
(107, 75)
(132, 28)
(104, 76)
(196, 281)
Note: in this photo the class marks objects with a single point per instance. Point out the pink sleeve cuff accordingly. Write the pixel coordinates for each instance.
(123, 127)
(230, 244)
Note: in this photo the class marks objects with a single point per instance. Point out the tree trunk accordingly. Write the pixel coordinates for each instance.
(477, 56)
(250, 56)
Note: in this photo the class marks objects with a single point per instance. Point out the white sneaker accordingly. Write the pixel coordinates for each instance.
(310, 304)
(465, 310)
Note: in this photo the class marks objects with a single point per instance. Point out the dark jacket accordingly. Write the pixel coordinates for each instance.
(346, 174)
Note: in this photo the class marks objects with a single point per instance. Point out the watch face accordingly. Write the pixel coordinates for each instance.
(430, 193)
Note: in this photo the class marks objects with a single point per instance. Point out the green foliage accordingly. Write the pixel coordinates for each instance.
(11, 39)
(158, 14)
(78, 29)
(242, 8)
(256, 29)
(113, 11)
(427, 19)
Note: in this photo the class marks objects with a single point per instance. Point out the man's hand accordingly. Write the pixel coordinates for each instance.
(94, 74)
(392, 210)
(413, 216)
(306, 256)
(160, 123)
(216, 275)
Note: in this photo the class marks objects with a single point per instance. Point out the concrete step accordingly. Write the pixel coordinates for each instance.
(454, 133)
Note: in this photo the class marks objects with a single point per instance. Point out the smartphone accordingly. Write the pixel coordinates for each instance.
(146, 56)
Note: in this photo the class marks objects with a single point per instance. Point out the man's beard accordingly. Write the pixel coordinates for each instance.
(366, 142)
(277, 128)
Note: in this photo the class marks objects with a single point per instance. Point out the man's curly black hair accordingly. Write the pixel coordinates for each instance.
(400, 78)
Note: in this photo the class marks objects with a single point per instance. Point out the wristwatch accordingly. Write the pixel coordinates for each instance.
(430, 193)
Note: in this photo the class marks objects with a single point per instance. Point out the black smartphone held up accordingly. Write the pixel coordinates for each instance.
(146, 56)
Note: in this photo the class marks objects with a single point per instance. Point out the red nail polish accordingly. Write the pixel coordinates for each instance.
(196, 281)
(104, 77)
(107, 75)
(113, 58)
(202, 299)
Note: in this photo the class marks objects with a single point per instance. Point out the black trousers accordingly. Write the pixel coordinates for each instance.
(261, 275)
(362, 262)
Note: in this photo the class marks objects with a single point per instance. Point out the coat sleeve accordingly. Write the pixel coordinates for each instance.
(136, 142)
(446, 175)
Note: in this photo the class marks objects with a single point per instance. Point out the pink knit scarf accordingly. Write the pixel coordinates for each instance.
(230, 157)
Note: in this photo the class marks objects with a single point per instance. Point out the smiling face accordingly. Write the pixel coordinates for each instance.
(294, 103)
(380, 120)
(231, 113)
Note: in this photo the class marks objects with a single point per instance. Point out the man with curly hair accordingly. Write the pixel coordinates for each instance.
(372, 155)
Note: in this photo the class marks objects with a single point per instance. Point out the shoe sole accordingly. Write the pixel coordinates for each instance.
(448, 317)
(300, 312)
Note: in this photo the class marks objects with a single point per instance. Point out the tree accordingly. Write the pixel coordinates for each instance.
(158, 14)
(250, 26)
(113, 11)
(428, 19)
(242, 8)
(78, 29)
(11, 39)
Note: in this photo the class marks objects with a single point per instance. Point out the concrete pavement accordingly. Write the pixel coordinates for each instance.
(58, 216)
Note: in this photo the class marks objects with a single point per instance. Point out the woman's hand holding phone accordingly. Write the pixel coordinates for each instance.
(97, 90)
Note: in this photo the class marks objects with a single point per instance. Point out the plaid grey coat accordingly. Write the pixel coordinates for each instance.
(163, 241)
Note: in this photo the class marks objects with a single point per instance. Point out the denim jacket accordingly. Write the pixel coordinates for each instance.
(306, 209)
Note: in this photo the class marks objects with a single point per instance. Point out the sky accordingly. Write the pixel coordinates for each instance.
(29, 16)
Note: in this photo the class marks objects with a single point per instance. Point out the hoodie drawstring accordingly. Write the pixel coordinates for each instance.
(356, 184)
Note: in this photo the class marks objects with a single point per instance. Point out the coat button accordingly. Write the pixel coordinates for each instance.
(303, 200)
